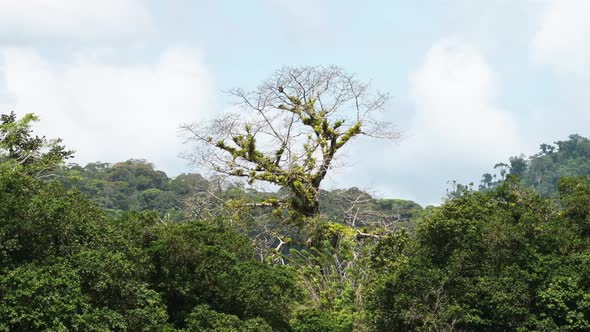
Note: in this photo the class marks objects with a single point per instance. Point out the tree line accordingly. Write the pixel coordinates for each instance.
(123, 247)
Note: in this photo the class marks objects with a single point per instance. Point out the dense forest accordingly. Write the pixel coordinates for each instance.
(542, 171)
(125, 247)
(136, 185)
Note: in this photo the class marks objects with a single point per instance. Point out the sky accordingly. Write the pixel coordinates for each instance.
(473, 82)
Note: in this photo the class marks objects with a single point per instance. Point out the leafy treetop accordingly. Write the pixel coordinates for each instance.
(289, 130)
(38, 155)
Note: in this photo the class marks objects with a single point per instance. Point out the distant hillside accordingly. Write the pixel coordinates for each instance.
(136, 185)
(543, 170)
(132, 185)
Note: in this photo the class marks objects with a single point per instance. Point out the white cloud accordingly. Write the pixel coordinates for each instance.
(562, 40)
(307, 15)
(454, 95)
(457, 131)
(110, 112)
(306, 12)
(72, 19)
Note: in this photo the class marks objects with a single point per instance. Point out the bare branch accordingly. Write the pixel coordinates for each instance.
(289, 129)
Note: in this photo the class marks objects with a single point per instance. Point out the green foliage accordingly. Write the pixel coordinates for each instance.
(506, 259)
(569, 158)
(542, 171)
(333, 272)
(574, 195)
(116, 281)
(66, 266)
(46, 299)
(198, 264)
(37, 155)
(311, 319)
(62, 267)
(43, 221)
(132, 185)
(390, 252)
(136, 185)
(202, 318)
(62, 296)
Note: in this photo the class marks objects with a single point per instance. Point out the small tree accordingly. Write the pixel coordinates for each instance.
(18, 146)
(289, 129)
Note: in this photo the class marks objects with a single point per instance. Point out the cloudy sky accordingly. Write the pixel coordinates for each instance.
(473, 81)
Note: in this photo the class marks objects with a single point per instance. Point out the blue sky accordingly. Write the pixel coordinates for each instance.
(473, 82)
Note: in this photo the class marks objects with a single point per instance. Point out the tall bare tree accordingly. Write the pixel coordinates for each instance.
(289, 129)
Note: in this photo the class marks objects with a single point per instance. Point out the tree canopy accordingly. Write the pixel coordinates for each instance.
(289, 130)
(543, 170)
(18, 146)
(124, 247)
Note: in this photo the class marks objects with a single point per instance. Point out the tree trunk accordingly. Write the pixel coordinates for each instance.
(312, 210)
